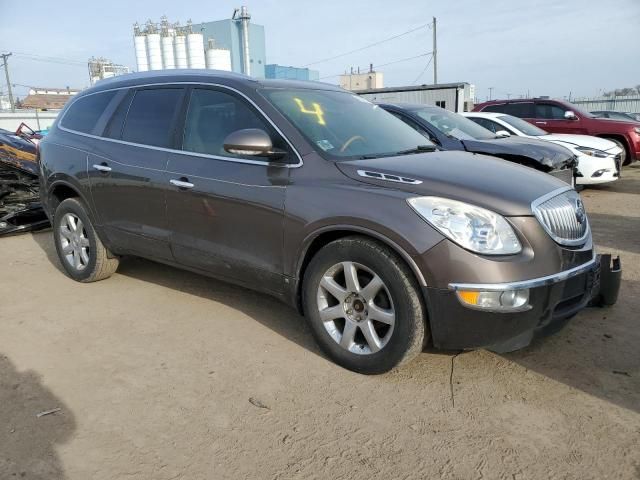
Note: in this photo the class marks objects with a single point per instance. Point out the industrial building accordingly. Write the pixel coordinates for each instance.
(244, 40)
(356, 81)
(457, 97)
(274, 70)
(169, 45)
(101, 68)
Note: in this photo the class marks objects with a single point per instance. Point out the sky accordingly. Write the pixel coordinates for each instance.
(576, 48)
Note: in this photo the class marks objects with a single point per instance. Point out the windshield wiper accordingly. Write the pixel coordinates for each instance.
(418, 149)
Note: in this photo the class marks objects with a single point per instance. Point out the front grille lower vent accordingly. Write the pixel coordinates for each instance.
(563, 217)
(388, 177)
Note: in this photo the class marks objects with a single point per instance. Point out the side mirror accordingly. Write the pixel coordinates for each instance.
(502, 134)
(252, 141)
(569, 115)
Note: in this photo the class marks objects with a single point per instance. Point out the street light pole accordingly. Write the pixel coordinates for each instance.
(5, 58)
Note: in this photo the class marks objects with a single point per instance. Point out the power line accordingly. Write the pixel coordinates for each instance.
(425, 69)
(428, 25)
(44, 58)
(385, 64)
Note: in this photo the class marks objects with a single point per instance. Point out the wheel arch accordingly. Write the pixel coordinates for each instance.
(60, 190)
(321, 237)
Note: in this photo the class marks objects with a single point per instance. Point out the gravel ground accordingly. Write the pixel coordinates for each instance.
(161, 374)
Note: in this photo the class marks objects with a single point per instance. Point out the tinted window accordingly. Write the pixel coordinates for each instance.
(550, 111)
(343, 125)
(84, 113)
(520, 110)
(151, 115)
(114, 126)
(212, 115)
(499, 108)
(524, 126)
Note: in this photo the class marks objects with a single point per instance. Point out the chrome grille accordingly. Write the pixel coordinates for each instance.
(563, 216)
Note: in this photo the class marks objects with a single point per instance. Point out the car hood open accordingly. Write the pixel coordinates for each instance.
(499, 185)
(547, 154)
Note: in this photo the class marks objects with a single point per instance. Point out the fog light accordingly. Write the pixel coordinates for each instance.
(599, 173)
(499, 300)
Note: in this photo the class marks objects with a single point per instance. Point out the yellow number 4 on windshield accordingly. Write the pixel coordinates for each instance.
(317, 110)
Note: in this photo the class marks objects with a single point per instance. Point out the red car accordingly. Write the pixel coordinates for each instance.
(557, 116)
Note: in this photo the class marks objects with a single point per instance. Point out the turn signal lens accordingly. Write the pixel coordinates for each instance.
(499, 300)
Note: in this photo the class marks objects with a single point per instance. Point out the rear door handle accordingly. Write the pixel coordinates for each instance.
(182, 183)
(102, 167)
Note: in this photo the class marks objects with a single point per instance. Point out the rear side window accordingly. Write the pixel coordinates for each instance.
(520, 110)
(151, 116)
(499, 108)
(84, 113)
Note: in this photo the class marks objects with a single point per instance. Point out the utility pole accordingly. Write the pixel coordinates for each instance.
(490, 92)
(435, 53)
(5, 58)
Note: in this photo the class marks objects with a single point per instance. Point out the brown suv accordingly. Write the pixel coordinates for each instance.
(316, 196)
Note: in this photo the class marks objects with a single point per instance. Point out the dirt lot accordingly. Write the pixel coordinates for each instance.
(161, 374)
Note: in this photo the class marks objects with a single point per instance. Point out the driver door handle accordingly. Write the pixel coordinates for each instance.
(541, 123)
(102, 167)
(182, 183)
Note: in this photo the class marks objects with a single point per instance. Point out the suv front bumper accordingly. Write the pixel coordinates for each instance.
(553, 301)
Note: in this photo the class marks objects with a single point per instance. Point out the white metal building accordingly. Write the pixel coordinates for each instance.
(457, 97)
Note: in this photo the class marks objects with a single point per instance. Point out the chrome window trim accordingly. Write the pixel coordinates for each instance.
(558, 240)
(533, 283)
(185, 152)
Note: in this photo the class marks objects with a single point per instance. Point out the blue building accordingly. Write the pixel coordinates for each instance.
(228, 34)
(274, 70)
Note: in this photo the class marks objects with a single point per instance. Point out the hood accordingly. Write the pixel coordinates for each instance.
(504, 187)
(548, 155)
(582, 141)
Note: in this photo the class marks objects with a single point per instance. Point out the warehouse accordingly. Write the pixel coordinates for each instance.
(457, 97)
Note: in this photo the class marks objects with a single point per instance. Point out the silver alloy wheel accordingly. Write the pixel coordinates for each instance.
(356, 308)
(74, 242)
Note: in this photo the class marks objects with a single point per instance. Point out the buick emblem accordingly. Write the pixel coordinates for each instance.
(581, 215)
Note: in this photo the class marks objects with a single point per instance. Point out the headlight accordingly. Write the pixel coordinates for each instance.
(474, 228)
(592, 152)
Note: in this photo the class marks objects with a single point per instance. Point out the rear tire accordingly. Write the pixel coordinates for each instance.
(80, 250)
(371, 324)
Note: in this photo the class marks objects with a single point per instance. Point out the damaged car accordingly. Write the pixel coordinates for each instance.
(451, 131)
(20, 207)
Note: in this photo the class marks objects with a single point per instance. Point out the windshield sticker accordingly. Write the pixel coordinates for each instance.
(324, 144)
(317, 110)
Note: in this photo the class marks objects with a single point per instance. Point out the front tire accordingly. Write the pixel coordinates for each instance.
(80, 250)
(625, 156)
(364, 306)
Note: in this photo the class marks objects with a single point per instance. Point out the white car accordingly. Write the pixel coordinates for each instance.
(598, 158)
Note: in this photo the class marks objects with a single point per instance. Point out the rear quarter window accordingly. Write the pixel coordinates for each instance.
(84, 113)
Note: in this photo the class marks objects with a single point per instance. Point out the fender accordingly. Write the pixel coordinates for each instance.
(358, 229)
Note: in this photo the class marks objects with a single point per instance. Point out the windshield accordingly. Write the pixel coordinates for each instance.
(454, 125)
(344, 125)
(524, 126)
